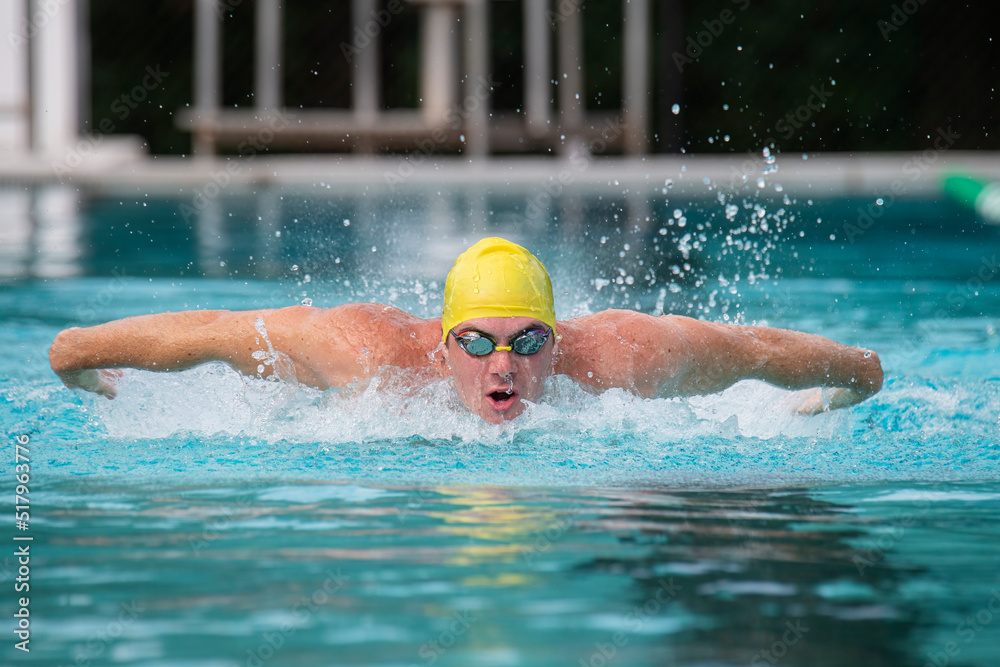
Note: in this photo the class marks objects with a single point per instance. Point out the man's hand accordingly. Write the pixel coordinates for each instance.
(815, 401)
(98, 381)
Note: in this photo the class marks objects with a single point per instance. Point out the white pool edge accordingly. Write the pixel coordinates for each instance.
(913, 174)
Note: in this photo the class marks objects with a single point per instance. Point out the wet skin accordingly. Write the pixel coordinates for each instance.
(496, 385)
(650, 356)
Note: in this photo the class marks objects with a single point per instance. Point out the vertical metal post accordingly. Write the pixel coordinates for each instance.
(207, 71)
(635, 84)
(365, 76)
(669, 78)
(439, 69)
(84, 58)
(476, 105)
(15, 104)
(267, 59)
(537, 66)
(569, 75)
(55, 91)
(365, 79)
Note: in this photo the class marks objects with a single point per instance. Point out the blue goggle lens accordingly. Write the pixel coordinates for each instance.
(525, 344)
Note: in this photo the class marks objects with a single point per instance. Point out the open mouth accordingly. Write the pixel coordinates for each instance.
(502, 400)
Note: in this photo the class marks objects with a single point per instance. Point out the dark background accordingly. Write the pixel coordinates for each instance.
(889, 85)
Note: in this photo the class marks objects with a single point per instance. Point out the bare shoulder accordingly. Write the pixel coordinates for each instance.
(621, 348)
(368, 336)
(371, 314)
(375, 324)
(610, 329)
(324, 322)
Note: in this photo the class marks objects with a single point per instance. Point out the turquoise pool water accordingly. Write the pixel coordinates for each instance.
(206, 519)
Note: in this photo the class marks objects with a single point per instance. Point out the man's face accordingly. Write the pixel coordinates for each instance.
(493, 386)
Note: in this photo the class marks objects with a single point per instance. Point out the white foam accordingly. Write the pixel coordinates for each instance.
(213, 399)
(210, 419)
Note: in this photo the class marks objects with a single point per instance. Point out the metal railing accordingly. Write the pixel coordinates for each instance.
(454, 52)
(41, 104)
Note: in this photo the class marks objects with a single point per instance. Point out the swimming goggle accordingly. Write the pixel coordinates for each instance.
(525, 343)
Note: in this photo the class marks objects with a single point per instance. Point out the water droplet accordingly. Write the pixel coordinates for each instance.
(347, 223)
(868, 354)
(676, 109)
(879, 201)
(307, 301)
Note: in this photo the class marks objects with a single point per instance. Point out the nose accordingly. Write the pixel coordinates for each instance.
(502, 362)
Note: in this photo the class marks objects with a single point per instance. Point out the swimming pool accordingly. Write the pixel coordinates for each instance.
(206, 519)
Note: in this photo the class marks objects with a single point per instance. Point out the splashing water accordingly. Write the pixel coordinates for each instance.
(747, 434)
(716, 257)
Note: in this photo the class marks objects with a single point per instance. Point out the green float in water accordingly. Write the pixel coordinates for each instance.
(982, 196)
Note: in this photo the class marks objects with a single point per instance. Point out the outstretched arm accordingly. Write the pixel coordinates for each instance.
(674, 355)
(794, 360)
(252, 342)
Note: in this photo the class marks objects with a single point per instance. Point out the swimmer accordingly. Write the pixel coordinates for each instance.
(497, 338)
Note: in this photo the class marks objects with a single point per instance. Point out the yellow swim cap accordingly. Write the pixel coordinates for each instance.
(496, 278)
